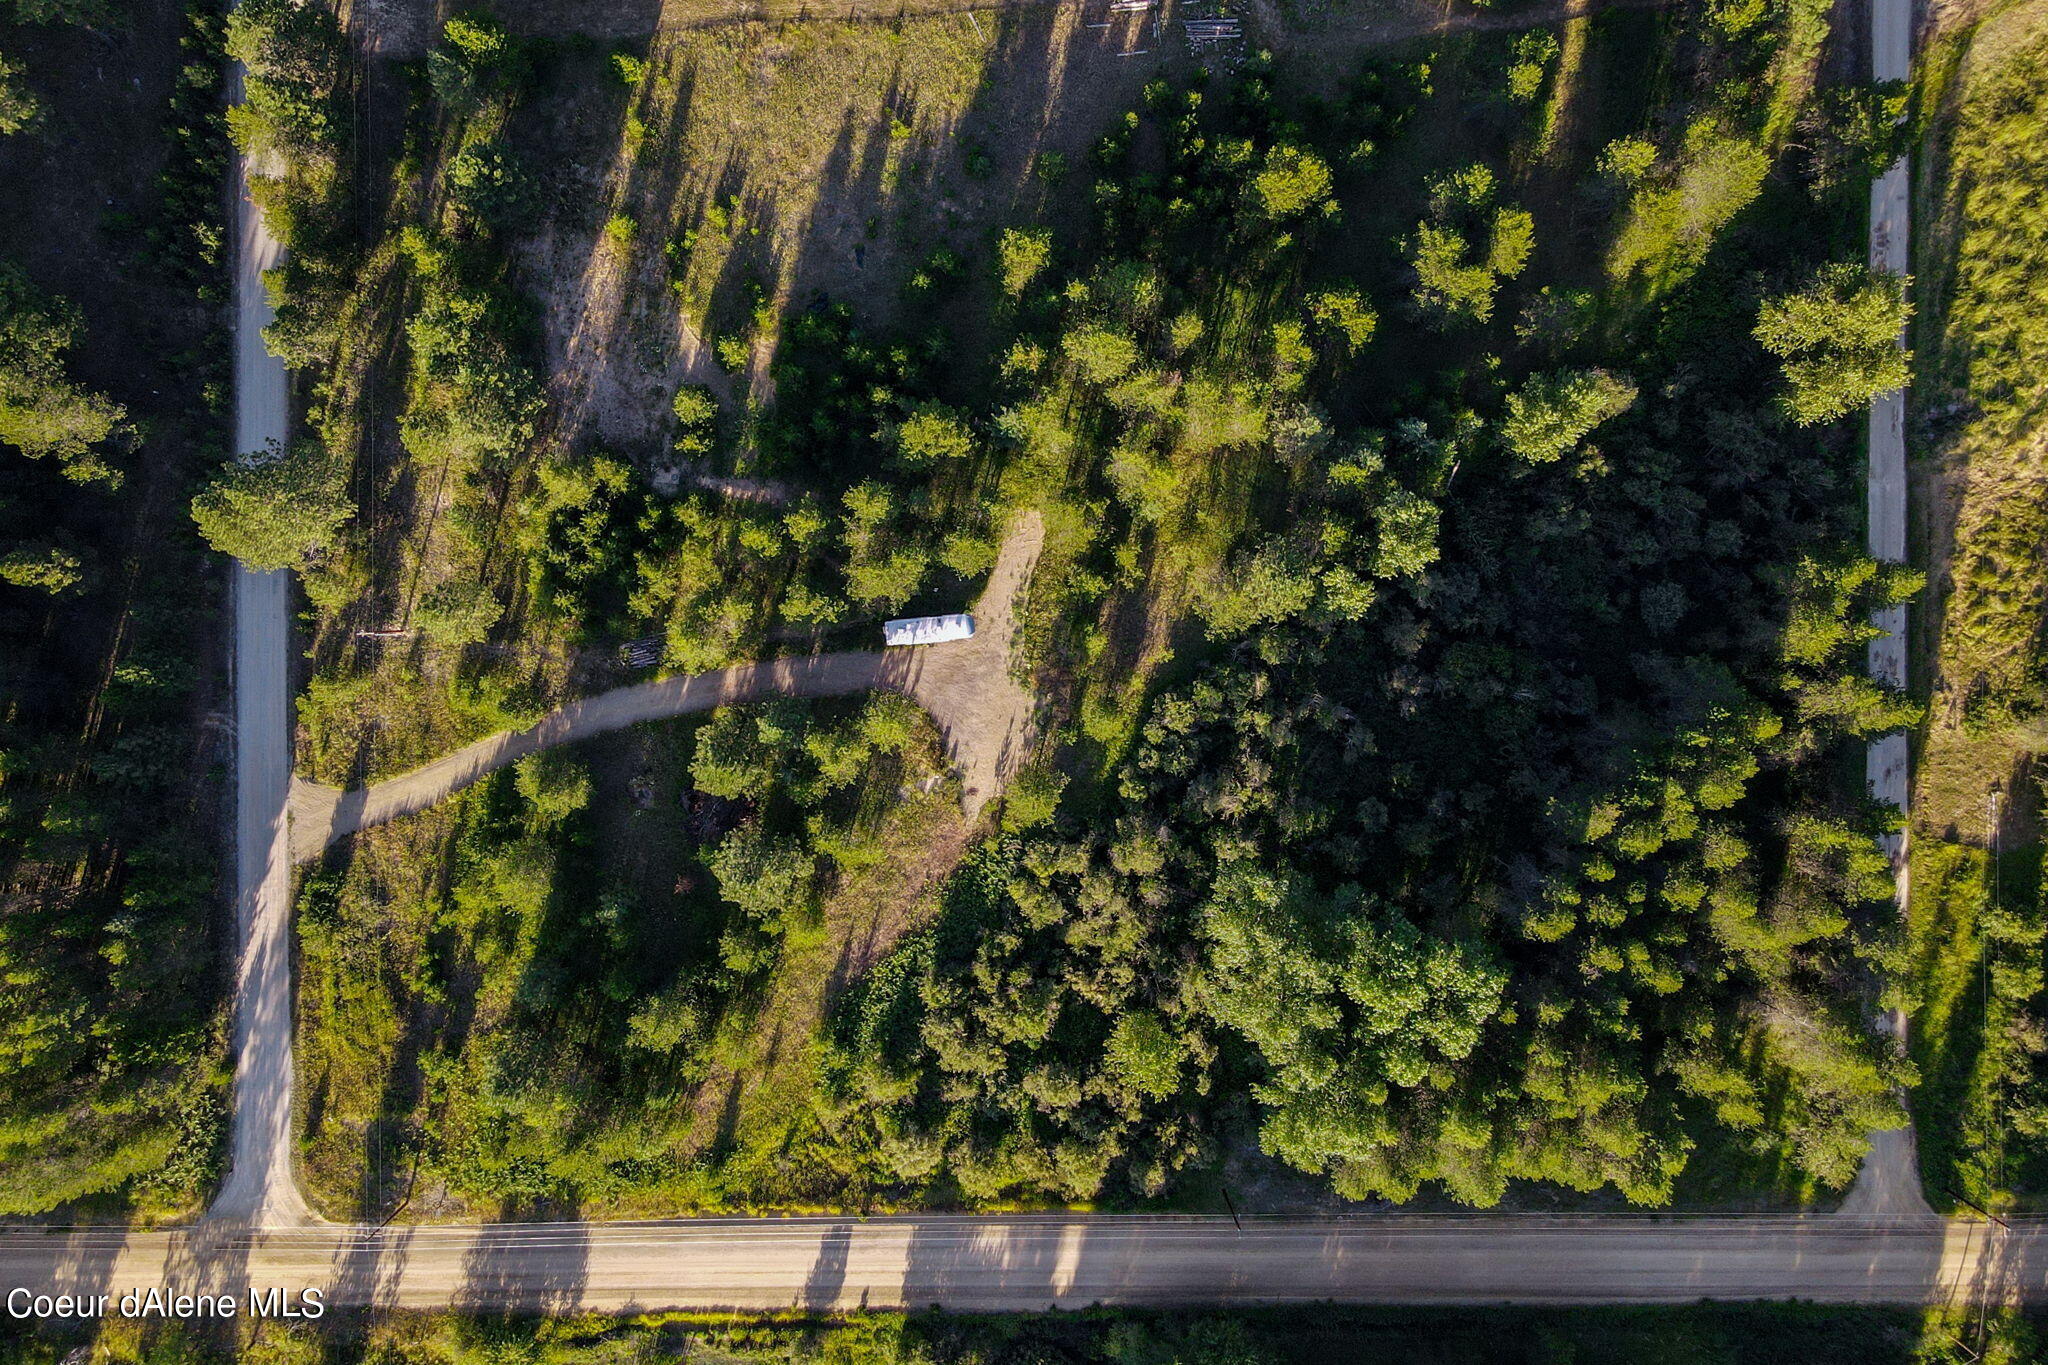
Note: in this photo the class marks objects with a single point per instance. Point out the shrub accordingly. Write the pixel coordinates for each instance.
(1533, 54)
(1022, 255)
(1627, 159)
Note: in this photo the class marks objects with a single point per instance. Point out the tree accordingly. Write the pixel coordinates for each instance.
(671, 1020)
(768, 876)
(1292, 182)
(274, 512)
(18, 106)
(1512, 239)
(1627, 159)
(1534, 52)
(1407, 535)
(42, 413)
(696, 418)
(554, 784)
(44, 568)
(734, 756)
(1273, 584)
(1445, 282)
(884, 566)
(1420, 1000)
(1144, 1055)
(1345, 313)
(58, 11)
(458, 612)
(487, 184)
(1033, 798)
(296, 55)
(932, 434)
(1022, 255)
(1549, 415)
(475, 57)
(1103, 354)
(1838, 338)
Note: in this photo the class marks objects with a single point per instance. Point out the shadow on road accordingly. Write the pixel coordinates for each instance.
(525, 1269)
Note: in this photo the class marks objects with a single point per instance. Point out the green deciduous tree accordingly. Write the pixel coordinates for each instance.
(1291, 182)
(1512, 240)
(1551, 413)
(1345, 314)
(1838, 338)
(696, 420)
(1533, 53)
(1447, 284)
(44, 568)
(457, 612)
(296, 58)
(1103, 354)
(19, 108)
(1627, 159)
(767, 876)
(555, 785)
(42, 413)
(1143, 1054)
(930, 434)
(274, 512)
(1022, 255)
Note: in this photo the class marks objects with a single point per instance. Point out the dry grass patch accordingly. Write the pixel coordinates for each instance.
(1983, 339)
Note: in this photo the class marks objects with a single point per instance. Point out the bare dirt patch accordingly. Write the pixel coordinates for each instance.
(763, 166)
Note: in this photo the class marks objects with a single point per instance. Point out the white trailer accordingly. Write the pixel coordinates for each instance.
(928, 630)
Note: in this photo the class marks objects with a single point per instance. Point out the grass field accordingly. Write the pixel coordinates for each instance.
(430, 945)
(1982, 475)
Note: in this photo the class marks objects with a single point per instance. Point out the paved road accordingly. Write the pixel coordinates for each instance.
(982, 712)
(260, 1183)
(1026, 1263)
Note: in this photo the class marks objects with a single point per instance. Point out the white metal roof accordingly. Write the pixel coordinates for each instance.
(928, 630)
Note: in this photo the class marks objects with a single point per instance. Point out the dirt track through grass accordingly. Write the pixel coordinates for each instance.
(984, 714)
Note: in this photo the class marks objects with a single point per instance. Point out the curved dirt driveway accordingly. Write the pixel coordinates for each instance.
(982, 712)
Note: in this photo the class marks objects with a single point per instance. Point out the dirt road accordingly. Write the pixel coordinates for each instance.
(1004, 1262)
(982, 712)
(1890, 217)
(260, 1186)
(1892, 1172)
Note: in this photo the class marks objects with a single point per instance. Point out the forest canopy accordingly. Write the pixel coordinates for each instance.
(1449, 634)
